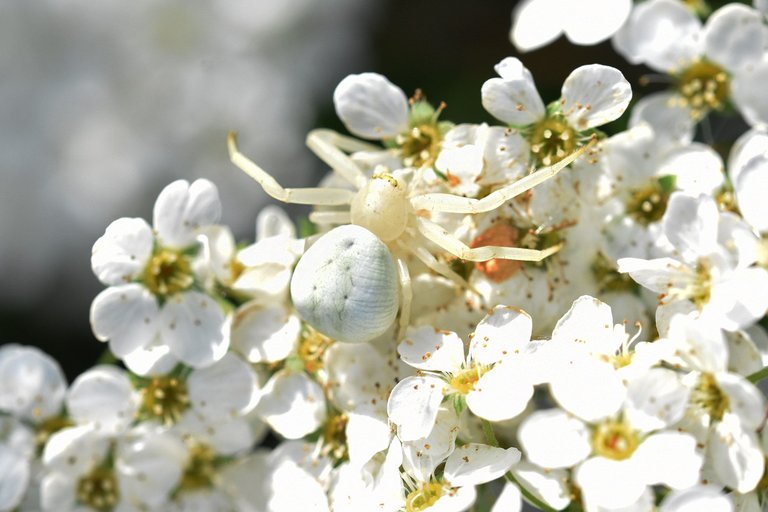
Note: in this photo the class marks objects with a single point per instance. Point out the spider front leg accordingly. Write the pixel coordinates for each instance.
(450, 203)
(315, 196)
(453, 245)
(329, 146)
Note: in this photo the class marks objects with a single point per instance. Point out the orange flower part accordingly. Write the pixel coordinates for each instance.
(502, 234)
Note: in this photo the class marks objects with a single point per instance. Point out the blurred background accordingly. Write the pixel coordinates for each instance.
(104, 103)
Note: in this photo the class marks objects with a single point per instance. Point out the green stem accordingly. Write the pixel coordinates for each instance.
(490, 437)
(528, 495)
(758, 375)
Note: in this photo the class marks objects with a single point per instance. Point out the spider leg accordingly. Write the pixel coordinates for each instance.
(331, 217)
(450, 203)
(430, 261)
(316, 196)
(330, 147)
(453, 245)
(406, 292)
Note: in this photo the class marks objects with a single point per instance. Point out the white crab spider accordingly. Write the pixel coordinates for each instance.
(382, 205)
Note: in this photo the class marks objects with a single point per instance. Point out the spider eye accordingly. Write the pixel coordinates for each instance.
(387, 177)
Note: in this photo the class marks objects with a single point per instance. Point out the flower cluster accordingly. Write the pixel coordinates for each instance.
(478, 315)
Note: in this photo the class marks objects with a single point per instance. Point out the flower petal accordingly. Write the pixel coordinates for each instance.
(553, 439)
(594, 95)
(194, 327)
(535, 23)
(126, 316)
(513, 98)
(370, 106)
(120, 254)
(14, 477)
(427, 348)
(748, 93)
(609, 484)
(501, 393)
(589, 22)
(664, 34)
(265, 333)
(104, 397)
(292, 404)
(668, 458)
(222, 389)
(181, 209)
(475, 464)
(503, 331)
(734, 37)
(413, 406)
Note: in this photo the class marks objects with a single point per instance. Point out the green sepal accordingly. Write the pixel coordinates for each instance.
(294, 363)
(459, 403)
(667, 183)
(421, 112)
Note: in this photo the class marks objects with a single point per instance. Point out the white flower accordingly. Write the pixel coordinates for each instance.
(371, 107)
(614, 461)
(476, 156)
(467, 466)
(32, 385)
(710, 270)
(492, 380)
(584, 22)
(725, 409)
(589, 356)
(359, 382)
(84, 467)
(261, 270)
(714, 63)
(590, 97)
(152, 300)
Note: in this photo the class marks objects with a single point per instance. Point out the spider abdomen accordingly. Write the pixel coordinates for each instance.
(382, 207)
(346, 285)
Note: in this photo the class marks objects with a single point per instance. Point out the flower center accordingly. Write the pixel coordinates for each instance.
(704, 87)
(311, 349)
(168, 272)
(165, 398)
(98, 489)
(423, 497)
(614, 440)
(701, 288)
(420, 145)
(200, 469)
(504, 235)
(552, 139)
(464, 381)
(335, 437)
(648, 204)
(708, 396)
